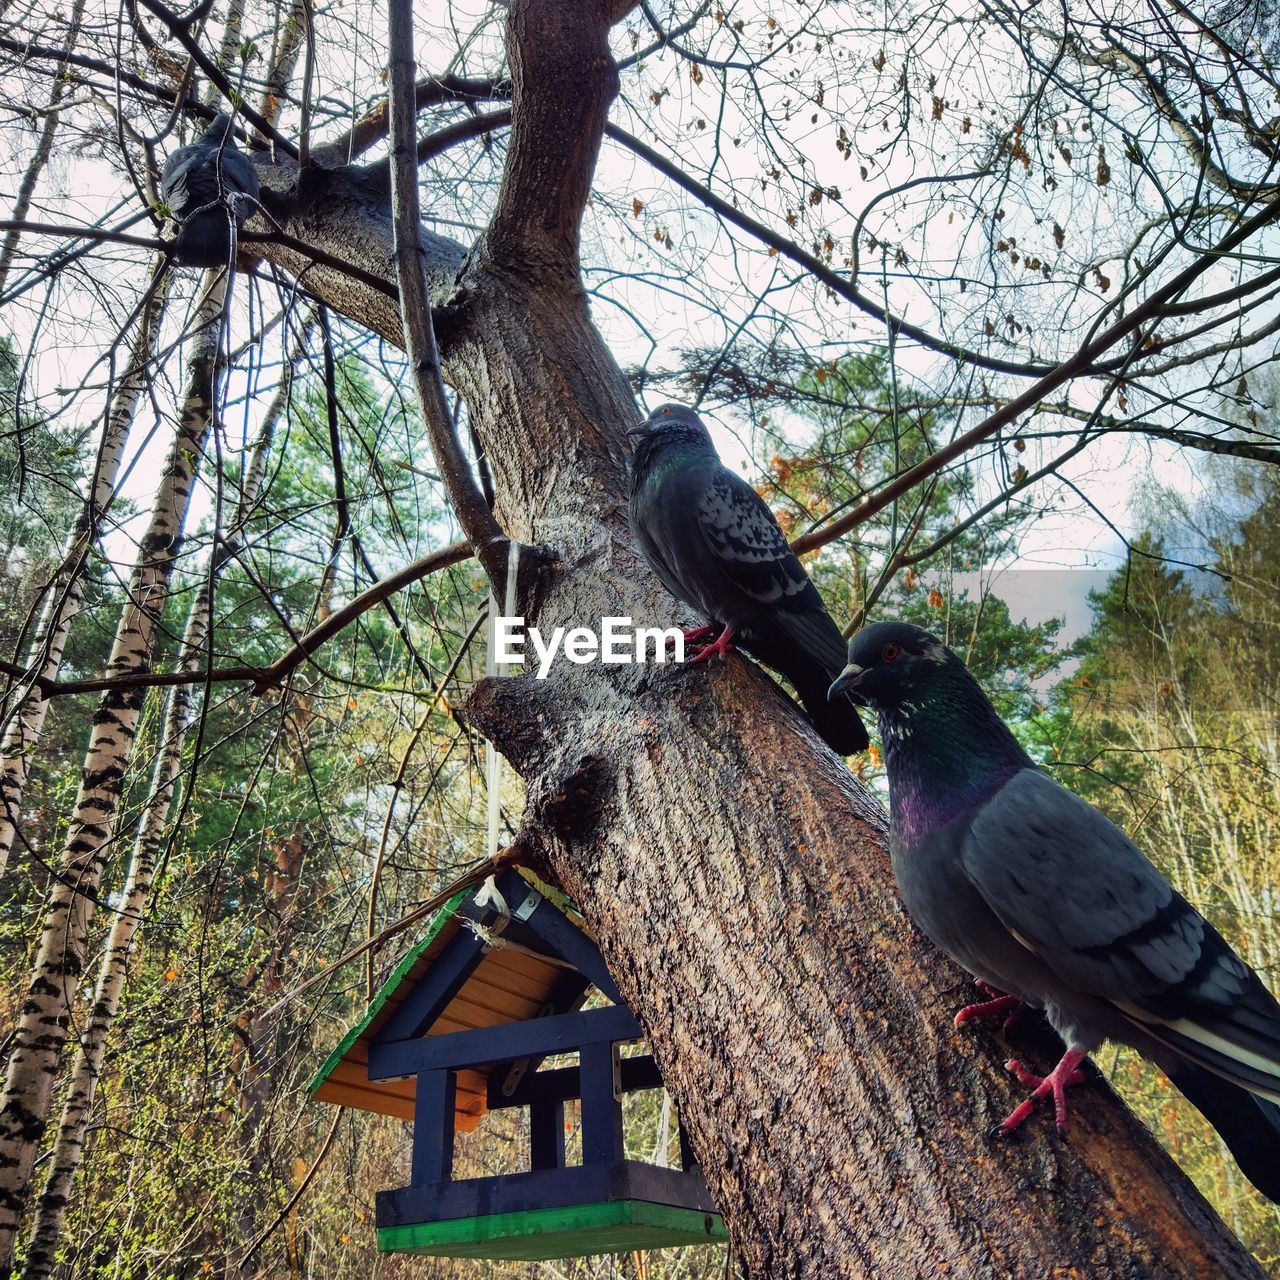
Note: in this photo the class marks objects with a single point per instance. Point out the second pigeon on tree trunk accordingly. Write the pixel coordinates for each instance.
(714, 543)
(211, 188)
(1050, 904)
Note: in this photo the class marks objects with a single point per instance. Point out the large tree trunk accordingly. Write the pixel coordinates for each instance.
(47, 1010)
(733, 869)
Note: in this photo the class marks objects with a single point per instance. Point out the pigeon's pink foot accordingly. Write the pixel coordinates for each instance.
(1057, 1082)
(1008, 1007)
(696, 635)
(999, 1004)
(721, 646)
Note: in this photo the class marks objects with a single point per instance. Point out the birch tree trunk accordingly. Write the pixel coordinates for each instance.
(50, 1001)
(44, 149)
(68, 1147)
(27, 710)
(734, 871)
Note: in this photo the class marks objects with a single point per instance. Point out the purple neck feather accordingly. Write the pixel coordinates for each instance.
(947, 753)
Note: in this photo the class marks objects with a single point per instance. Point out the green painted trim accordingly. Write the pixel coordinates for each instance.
(557, 897)
(539, 1235)
(384, 992)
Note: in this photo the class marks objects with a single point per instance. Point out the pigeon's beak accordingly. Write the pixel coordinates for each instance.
(637, 430)
(846, 680)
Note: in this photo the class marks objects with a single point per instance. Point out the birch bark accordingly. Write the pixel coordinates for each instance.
(26, 709)
(68, 1146)
(50, 1002)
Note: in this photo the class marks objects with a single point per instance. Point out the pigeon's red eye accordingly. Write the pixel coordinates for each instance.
(890, 652)
(667, 409)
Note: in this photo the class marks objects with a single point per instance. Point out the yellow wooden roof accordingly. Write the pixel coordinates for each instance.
(510, 984)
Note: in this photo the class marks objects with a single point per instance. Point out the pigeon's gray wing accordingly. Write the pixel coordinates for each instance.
(751, 551)
(661, 512)
(195, 176)
(1075, 890)
(180, 169)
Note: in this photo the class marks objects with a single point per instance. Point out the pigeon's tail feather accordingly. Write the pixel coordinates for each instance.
(1249, 1125)
(1220, 1052)
(204, 240)
(837, 722)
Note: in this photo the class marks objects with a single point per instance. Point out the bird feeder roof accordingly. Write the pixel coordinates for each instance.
(512, 983)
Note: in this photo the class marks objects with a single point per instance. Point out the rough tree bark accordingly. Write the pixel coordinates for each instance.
(735, 872)
(46, 1013)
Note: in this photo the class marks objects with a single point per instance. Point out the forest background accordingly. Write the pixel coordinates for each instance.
(830, 231)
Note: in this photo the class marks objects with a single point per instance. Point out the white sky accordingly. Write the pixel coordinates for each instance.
(1073, 537)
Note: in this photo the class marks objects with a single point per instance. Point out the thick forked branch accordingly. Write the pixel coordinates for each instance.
(563, 81)
(690, 813)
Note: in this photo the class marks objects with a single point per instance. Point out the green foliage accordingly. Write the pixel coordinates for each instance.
(289, 838)
(1169, 724)
(284, 820)
(855, 443)
(40, 472)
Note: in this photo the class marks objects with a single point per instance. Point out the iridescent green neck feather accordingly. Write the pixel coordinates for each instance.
(947, 752)
(670, 447)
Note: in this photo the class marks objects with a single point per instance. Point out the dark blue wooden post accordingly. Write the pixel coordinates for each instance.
(433, 1127)
(601, 1107)
(546, 1135)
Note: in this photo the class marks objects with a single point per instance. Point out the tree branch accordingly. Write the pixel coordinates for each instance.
(262, 678)
(815, 266)
(488, 542)
(555, 136)
(178, 29)
(1081, 362)
(373, 126)
(81, 233)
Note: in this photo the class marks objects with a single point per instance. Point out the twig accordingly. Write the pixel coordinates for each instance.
(262, 678)
(507, 857)
(80, 233)
(1080, 363)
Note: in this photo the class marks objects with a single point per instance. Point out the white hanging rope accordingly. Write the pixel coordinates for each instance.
(488, 894)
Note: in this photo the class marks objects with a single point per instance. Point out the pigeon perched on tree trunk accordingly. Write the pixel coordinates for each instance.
(210, 187)
(714, 543)
(1048, 903)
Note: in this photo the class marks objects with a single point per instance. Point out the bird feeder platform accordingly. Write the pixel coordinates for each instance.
(462, 1027)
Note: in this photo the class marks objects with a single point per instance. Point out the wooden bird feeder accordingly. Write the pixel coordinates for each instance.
(462, 1027)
